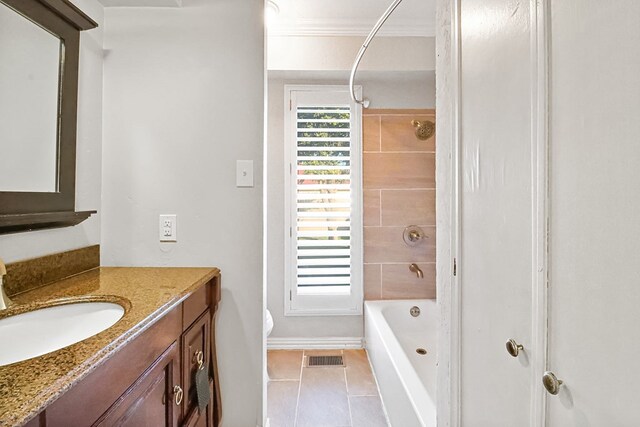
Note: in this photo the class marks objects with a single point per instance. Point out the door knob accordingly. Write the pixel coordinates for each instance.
(551, 383)
(513, 348)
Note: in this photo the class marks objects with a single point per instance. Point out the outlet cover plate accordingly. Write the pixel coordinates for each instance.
(168, 231)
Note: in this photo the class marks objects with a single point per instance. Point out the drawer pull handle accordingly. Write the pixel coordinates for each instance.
(199, 358)
(178, 394)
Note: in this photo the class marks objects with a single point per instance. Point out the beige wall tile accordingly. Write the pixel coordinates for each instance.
(398, 134)
(385, 244)
(399, 170)
(366, 411)
(404, 174)
(323, 398)
(360, 381)
(372, 281)
(406, 207)
(284, 364)
(282, 402)
(371, 210)
(371, 133)
(400, 283)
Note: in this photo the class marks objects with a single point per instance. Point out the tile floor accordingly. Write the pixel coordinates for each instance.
(322, 397)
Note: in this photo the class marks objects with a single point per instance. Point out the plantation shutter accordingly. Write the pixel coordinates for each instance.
(323, 183)
(324, 193)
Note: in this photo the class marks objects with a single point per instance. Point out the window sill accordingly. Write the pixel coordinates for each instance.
(325, 290)
(318, 312)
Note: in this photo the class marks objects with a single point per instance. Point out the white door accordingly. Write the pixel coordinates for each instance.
(495, 265)
(594, 261)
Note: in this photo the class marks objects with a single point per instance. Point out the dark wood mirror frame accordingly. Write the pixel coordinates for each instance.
(24, 211)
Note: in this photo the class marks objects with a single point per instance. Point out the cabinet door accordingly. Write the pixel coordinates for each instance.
(195, 341)
(151, 401)
(495, 268)
(594, 338)
(196, 419)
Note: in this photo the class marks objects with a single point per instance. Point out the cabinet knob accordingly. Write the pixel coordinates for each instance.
(178, 394)
(513, 348)
(551, 383)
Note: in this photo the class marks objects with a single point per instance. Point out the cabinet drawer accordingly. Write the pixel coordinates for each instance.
(194, 305)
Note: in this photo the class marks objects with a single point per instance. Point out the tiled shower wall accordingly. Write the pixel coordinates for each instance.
(399, 190)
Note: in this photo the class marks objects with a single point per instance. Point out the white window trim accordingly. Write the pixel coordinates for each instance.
(321, 305)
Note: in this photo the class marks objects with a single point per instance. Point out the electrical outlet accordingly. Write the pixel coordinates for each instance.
(168, 232)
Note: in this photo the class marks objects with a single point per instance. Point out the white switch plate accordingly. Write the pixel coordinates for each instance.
(244, 173)
(168, 231)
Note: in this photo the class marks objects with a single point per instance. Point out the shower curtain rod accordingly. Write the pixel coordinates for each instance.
(365, 102)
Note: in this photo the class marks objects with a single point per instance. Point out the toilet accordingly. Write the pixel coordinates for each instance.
(268, 323)
(268, 327)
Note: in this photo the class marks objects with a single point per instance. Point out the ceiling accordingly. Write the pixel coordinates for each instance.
(353, 17)
(141, 3)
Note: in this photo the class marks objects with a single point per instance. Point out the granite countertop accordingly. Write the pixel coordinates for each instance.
(28, 387)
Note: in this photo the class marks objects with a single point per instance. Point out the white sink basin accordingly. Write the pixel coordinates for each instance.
(42, 331)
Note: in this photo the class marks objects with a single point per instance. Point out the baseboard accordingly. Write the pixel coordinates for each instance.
(276, 343)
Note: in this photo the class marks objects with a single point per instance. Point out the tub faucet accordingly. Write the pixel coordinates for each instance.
(5, 302)
(415, 269)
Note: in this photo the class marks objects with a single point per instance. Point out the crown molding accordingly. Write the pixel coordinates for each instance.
(337, 27)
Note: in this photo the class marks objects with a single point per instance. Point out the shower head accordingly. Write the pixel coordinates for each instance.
(424, 129)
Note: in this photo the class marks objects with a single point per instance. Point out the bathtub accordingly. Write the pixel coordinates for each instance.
(407, 380)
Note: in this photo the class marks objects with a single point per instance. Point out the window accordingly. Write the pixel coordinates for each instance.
(323, 256)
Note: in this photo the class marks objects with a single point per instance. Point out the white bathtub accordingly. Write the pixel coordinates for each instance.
(407, 380)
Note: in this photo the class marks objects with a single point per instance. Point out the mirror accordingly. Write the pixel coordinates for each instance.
(39, 57)
(29, 102)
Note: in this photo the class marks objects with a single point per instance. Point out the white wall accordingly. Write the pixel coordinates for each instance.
(184, 94)
(20, 246)
(338, 53)
(385, 89)
(401, 90)
(408, 90)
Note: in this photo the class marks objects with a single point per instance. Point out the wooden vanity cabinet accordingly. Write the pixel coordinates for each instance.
(150, 381)
(145, 403)
(195, 341)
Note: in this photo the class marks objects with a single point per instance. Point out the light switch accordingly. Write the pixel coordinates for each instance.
(168, 231)
(244, 173)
